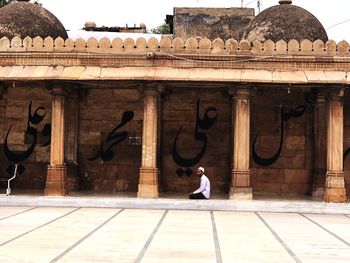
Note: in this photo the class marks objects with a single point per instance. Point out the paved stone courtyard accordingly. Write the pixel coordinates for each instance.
(67, 234)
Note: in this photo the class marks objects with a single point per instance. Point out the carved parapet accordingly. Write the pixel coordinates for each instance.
(193, 45)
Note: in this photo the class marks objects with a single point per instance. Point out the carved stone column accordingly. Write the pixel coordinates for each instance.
(2, 91)
(148, 182)
(335, 185)
(320, 139)
(240, 185)
(2, 115)
(57, 171)
(72, 137)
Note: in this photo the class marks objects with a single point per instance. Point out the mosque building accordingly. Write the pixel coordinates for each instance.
(260, 102)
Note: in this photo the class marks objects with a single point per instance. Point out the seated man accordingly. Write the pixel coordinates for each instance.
(203, 192)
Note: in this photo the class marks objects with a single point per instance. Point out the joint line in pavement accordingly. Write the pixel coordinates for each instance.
(148, 242)
(216, 239)
(85, 237)
(290, 252)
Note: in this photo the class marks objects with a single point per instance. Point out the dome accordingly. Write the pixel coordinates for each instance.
(24, 19)
(287, 22)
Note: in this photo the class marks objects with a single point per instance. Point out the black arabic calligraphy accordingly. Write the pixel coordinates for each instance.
(285, 116)
(106, 153)
(204, 124)
(33, 119)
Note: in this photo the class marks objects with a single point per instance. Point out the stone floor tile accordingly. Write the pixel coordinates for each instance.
(337, 225)
(15, 226)
(7, 211)
(307, 241)
(243, 237)
(77, 235)
(46, 243)
(121, 240)
(184, 236)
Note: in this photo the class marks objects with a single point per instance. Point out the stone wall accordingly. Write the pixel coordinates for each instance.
(211, 22)
(14, 113)
(292, 172)
(180, 110)
(101, 110)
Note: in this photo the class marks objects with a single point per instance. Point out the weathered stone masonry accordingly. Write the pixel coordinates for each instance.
(98, 87)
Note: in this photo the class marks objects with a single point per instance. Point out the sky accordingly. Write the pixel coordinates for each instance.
(74, 13)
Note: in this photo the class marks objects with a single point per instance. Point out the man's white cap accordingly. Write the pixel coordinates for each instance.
(201, 169)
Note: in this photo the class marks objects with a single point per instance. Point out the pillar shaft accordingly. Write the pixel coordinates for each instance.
(148, 182)
(72, 139)
(335, 185)
(240, 185)
(56, 174)
(320, 143)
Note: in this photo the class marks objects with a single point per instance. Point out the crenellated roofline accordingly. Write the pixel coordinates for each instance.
(192, 60)
(167, 45)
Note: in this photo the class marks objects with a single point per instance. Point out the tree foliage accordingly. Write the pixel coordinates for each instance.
(6, 2)
(162, 29)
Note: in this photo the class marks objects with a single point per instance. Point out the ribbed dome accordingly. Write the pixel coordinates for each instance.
(287, 22)
(25, 19)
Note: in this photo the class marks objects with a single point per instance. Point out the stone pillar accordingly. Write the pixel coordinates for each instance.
(148, 182)
(72, 138)
(335, 185)
(320, 151)
(2, 118)
(57, 171)
(240, 185)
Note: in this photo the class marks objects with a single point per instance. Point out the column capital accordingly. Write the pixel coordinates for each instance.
(240, 93)
(320, 98)
(153, 89)
(57, 89)
(75, 93)
(336, 94)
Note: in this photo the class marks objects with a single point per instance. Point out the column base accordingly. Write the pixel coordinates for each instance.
(319, 182)
(318, 191)
(335, 195)
(240, 178)
(56, 180)
(335, 191)
(148, 183)
(241, 193)
(72, 178)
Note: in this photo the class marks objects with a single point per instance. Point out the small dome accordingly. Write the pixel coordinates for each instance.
(287, 22)
(22, 19)
(89, 25)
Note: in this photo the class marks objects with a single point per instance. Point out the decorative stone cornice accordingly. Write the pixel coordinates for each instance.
(175, 60)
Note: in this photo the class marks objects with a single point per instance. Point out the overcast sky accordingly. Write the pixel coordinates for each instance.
(74, 13)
